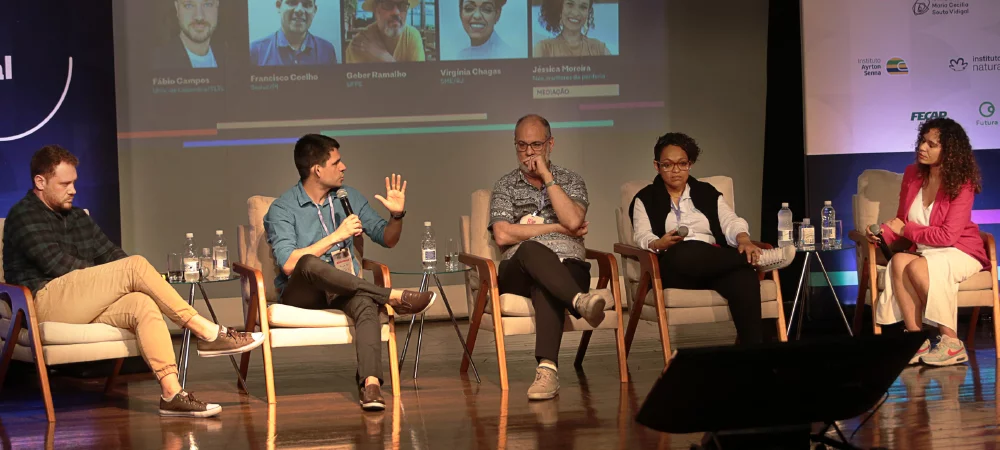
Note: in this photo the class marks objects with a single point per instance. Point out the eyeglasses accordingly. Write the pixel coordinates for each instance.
(485, 8)
(385, 5)
(536, 146)
(668, 166)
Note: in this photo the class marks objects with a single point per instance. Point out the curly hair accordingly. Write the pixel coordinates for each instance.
(958, 165)
(550, 16)
(681, 140)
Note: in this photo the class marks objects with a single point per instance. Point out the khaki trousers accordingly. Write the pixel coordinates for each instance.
(128, 294)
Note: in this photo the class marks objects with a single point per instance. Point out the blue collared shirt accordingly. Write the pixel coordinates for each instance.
(292, 223)
(275, 50)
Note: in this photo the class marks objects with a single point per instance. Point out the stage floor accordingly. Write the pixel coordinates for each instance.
(954, 407)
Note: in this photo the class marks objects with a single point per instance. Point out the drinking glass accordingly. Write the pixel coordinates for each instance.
(838, 240)
(175, 268)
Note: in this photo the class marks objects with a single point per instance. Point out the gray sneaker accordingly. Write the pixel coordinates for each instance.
(230, 342)
(590, 305)
(546, 385)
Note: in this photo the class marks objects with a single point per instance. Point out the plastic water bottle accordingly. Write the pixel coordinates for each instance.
(828, 227)
(428, 248)
(220, 257)
(807, 235)
(192, 273)
(784, 226)
(205, 262)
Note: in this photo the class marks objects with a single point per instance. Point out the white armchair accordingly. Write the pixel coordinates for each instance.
(649, 301)
(52, 343)
(288, 326)
(516, 313)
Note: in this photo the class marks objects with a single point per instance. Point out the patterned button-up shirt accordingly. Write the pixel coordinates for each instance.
(40, 244)
(513, 198)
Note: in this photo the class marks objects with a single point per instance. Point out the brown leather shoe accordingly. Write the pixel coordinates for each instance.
(370, 397)
(413, 302)
(185, 405)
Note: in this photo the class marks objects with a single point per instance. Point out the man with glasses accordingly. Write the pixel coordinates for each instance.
(192, 49)
(293, 44)
(537, 217)
(390, 38)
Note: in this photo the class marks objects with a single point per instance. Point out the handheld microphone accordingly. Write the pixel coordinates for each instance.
(877, 231)
(342, 195)
(682, 231)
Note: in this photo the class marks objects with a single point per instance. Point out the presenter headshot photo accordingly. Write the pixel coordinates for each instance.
(382, 31)
(483, 29)
(307, 35)
(192, 47)
(574, 25)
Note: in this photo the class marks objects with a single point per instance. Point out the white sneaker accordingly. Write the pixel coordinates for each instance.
(775, 258)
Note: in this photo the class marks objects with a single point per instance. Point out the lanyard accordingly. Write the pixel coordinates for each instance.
(319, 212)
(543, 201)
(676, 210)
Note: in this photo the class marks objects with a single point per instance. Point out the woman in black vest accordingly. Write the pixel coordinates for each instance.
(716, 252)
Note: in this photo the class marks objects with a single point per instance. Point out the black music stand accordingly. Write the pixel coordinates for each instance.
(737, 393)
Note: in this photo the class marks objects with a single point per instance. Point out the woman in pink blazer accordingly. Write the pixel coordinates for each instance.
(935, 218)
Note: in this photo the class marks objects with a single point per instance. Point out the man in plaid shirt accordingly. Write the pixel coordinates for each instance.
(77, 275)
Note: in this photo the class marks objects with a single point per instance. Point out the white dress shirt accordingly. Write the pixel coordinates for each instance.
(689, 216)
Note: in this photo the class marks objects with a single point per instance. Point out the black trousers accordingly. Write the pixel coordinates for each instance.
(535, 272)
(315, 284)
(699, 265)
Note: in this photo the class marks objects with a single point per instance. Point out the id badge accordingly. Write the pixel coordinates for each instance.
(532, 220)
(343, 260)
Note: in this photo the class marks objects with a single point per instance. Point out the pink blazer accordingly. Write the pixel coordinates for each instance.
(950, 222)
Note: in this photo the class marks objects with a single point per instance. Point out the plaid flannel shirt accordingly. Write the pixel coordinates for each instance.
(40, 244)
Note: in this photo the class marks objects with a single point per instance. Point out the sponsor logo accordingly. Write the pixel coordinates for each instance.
(897, 66)
(958, 64)
(7, 69)
(940, 8)
(871, 66)
(927, 115)
(986, 63)
(986, 109)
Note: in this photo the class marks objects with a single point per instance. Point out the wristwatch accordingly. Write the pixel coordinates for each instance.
(400, 216)
(550, 183)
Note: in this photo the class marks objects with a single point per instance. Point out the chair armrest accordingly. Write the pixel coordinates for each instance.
(607, 267)
(14, 295)
(255, 281)
(647, 259)
(991, 246)
(381, 273)
(859, 237)
(486, 268)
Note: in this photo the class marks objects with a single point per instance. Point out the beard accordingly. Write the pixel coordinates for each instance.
(392, 27)
(199, 37)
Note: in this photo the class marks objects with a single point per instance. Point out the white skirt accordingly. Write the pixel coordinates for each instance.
(947, 268)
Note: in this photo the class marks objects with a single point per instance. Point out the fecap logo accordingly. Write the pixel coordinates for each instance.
(927, 115)
(897, 66)
(986, 109)
(7, 69)
(921, 7)
(958, 64)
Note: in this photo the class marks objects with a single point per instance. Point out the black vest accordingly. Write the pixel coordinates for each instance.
(656, 201)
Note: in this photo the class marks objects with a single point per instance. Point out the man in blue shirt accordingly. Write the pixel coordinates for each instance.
(312, 239)
(293, 44)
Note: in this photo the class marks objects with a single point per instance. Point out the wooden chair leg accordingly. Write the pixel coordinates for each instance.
(10, 341)
(996, 331)
(635, 311)
(620, 346)
(39, 357)
(250, 326)
(109, 385)
(582, 350)
(780, 319)
(970, 338)
(393, 359)
(498, 332)
(474, 323)
(859, 304)
(876, 328)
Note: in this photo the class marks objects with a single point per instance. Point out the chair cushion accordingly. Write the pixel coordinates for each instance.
(513, 326)
(978, 282)
(517, 306)
(56, 333)
(690, 298)
(279, 315)
(705, 314)
(302, 337)
(65, 354)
